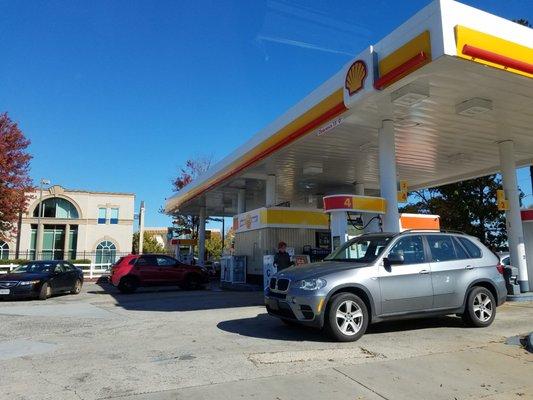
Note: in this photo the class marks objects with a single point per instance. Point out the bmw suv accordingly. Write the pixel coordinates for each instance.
(386, 276)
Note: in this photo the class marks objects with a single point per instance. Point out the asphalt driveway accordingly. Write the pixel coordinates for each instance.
(172, 344)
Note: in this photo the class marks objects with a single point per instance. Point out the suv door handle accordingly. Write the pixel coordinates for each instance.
(424, 271)
(469, 267)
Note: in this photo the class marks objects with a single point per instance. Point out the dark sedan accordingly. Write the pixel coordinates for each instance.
(41, 279)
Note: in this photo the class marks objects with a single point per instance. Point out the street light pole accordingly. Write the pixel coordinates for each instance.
(38, 235)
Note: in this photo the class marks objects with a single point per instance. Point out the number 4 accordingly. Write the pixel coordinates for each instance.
(348, 202)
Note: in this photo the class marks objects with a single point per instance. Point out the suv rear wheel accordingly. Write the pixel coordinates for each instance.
(128, 284)
(480, 307)
(346, 318)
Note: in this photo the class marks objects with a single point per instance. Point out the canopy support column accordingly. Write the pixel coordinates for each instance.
(271, 191)
(515, 233)
(201, 236)
(241, 201)
(339, 227)
(387, 175)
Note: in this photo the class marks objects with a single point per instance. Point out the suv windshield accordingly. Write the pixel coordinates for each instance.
(362, 249)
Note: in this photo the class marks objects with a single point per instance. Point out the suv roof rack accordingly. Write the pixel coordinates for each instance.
(431, 230)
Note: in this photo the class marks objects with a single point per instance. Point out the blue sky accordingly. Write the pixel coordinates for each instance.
(116, 95)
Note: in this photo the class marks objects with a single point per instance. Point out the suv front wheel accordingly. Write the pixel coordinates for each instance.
(480, 307)
(346, 318)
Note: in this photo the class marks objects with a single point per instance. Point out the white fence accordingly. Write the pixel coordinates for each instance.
(90, 271)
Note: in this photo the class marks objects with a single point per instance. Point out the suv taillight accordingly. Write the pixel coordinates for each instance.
(500, 268)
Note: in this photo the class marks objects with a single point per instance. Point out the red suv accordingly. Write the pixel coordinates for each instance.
(133, 271)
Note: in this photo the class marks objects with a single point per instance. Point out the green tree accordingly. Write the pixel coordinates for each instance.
(469, 206)
(213, 245)
(150, 244)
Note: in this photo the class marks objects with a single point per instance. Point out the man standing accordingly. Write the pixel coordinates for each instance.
(282, 259)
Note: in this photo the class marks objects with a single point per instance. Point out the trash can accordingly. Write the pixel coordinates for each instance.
(510, 275)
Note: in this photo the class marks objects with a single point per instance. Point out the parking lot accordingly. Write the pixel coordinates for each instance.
(171, 344)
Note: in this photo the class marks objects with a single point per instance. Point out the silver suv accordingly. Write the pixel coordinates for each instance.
(386, 276)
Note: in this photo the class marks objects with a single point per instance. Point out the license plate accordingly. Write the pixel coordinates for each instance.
(4, 291)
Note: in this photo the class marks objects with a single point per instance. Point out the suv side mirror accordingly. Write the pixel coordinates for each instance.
(393, 259)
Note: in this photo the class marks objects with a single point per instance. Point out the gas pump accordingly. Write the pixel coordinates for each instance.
(352, 215)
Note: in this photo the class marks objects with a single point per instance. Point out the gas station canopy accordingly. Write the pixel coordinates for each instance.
(455, 81)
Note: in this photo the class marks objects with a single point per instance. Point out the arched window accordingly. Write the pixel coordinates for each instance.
(106, 252)
(57, 207)
(4, 250)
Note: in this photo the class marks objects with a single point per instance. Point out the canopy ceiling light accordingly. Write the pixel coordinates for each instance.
(312, 169)
(307, 185)
(472, 107)
(410, 94)
(405, 122)
(368, 146)
(458, 158)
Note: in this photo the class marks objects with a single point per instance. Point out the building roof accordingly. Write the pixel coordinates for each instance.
(61, 189)
(447, 61)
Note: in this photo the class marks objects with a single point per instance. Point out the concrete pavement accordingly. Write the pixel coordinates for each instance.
(169, 344)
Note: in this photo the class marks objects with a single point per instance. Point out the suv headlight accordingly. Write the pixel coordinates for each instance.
(310, 284)
(28, 283)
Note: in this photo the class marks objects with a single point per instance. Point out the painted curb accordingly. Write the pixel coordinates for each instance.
(521, 297)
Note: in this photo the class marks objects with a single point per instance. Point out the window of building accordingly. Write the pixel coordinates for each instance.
(114, 216)
(106, 252)
(102, 215)
(53, 242)
(4, 250)
(56, 207)
(72, 242)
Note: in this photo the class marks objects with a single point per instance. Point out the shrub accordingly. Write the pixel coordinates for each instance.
(80, 261)
(15, 261)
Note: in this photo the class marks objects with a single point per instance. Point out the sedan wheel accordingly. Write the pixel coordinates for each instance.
(45, 292)
(77, 287)
(346, 317)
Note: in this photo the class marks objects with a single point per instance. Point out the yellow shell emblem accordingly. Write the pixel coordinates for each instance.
(248, 221)
(355, 77)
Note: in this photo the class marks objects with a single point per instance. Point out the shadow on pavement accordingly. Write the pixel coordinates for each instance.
(171, 298)
(264, 326)
(416, 324)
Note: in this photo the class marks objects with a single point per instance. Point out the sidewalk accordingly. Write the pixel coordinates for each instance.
(495, 372)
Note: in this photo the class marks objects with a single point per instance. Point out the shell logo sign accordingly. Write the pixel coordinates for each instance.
(355, 77)
(248, 221)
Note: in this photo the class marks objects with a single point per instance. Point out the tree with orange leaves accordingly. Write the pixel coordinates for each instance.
(14, 178)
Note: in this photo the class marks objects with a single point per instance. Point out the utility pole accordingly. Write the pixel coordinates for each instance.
(39, 233)
(531, 177)
(141, 227)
